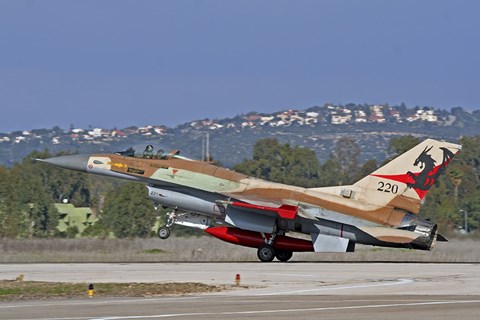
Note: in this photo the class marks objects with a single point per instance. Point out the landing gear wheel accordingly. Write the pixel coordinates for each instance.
(283, 255)
(266, 253)
(163, 233)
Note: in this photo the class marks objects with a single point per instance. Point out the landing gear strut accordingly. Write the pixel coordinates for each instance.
(267, 253)
(172, 217)
(183, 218)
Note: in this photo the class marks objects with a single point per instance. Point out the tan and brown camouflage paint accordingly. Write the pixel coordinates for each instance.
(207, 177)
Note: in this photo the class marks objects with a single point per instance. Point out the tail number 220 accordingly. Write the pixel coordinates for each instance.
(387, 187)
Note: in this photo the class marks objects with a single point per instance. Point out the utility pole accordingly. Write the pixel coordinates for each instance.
(208, 147)
(465, 220)
(203, 148)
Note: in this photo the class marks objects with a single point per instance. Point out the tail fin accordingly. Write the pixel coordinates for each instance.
(405, 181)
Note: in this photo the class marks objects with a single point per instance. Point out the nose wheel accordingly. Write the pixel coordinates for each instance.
(163, 233)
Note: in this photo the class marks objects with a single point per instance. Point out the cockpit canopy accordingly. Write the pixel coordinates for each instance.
(149, 153)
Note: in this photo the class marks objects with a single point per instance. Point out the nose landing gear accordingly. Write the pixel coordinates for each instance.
(183, 218)
(163, 233)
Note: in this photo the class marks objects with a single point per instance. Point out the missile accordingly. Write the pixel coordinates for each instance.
(255, 239)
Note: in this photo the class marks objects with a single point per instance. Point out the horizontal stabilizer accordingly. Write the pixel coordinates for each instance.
(441, 238)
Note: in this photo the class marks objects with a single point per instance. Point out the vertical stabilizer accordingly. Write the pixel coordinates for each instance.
(404, 181)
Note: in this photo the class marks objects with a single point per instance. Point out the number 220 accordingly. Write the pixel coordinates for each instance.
(387, 187)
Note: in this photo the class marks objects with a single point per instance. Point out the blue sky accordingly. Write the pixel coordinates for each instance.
(120, 63)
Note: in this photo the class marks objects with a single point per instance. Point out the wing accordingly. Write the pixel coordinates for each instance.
(283, 208)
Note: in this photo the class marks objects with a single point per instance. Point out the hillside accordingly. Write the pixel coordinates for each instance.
(232, 139)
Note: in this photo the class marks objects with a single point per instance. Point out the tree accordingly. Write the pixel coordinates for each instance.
(13, 219)
(330, 174)
(367, 168)
(42, 214)
(400, 145)
(281, 163)
(71, 232)
(455, 175)
(346, 154)
(470, 154)
(128, 212)
(471, 205)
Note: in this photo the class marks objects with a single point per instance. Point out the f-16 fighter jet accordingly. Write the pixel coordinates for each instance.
(380, 209)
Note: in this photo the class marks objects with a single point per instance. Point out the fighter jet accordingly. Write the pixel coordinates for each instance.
(277, 219)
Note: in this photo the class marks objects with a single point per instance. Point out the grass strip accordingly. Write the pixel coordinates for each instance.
(27, 290)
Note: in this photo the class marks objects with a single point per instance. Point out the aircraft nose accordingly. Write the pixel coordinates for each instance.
(73, 162)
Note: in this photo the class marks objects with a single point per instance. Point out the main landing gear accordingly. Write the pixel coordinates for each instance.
(267, 253)
(283, 255)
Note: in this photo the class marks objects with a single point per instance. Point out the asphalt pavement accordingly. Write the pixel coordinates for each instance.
(267, 290)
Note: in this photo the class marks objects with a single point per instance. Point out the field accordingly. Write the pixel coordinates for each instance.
(205, 248)
(25, 290)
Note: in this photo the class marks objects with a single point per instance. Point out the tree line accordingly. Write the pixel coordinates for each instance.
(29, 189)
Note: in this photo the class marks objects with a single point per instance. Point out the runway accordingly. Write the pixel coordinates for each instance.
(272, 290)
(223, 307)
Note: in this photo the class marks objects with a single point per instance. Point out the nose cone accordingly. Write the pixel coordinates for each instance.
(73, 162)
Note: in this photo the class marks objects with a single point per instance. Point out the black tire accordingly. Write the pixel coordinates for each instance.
(283, 255)
(163, 233)
(266, 253)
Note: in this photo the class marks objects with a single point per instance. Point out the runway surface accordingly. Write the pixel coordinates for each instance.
(275, 290)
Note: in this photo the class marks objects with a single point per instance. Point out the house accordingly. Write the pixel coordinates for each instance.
(71, 216)
(118, 133)
(20, 139)
(339, 119)
(376, 114)
(360, 116)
